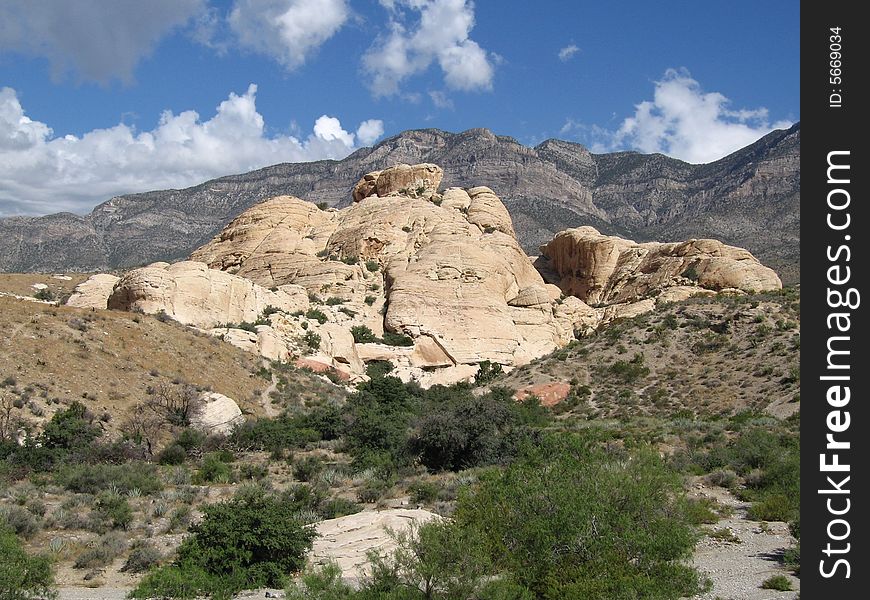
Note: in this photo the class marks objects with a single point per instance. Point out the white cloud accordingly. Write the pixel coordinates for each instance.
(687, 123)
(40, 173)
(97, 40)
(440, 99)
(568, 52)
(287, 30)
(440, 35)
(369, 131)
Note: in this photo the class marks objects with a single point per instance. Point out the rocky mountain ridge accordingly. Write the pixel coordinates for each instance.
(749, 199)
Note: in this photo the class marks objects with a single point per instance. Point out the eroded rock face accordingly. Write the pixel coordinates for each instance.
(193, 294)
(94, 292)
(601, 269)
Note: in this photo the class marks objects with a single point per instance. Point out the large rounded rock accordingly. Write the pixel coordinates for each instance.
(216, 414)
(602, 269)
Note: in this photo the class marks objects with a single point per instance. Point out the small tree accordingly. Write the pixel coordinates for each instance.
(70, 429)
(174, 405)
(23, 577)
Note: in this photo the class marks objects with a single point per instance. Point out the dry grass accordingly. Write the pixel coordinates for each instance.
(50, 355)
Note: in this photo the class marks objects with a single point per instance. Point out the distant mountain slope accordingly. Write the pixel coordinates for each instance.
(750, 198)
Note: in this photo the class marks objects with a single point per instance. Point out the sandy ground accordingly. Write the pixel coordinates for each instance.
(738, 569)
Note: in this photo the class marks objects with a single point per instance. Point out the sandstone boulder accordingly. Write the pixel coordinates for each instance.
(193, 294)
(346, 541)
(216, 414)
(602, 269)
(94, 292)
(418, 181)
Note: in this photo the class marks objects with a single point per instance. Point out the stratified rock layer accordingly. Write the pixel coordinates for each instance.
(193, 294)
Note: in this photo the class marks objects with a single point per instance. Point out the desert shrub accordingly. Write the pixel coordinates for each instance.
(397, 339)
(19, 520)
(323, 583)
(305, 469)
(435, 560)
(111, 511)
(362, 334)
(487, 371)
(286, 431)
(568, 520)
(779, 583)
(315, 314)
(701, 511)
(70, 429)
(143, 556)
(423, 492)
(214, 469)
(370, 300)
(325, 420)
(102, 552)
(23, 577)
(459, 430)
(378, 368)
(629, 371)
(312, 340)
(378, 417)
(251, 541)
(337, 507)
(335, 300)
(91, 479)
(372, 265)
(44, 294)
(174, 454)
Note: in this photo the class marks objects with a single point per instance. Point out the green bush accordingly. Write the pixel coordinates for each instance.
(423, 492)
(286, 431)
(370, 300)
(143, 556)
(362, 334)
(92, 479)
(307, 468)
(70, 429)
(372, 265)
(324, 583)
(378, 368)
(568, 520)
(102, 552)
(23, 577)
(487, 371)
(19, 520)
(312, 340)
(397, 339)
(174, 454)
(214, 469)
(111, 511)
(459, 430)
(315, 314)
(780, 583)
(629, 371)
(249, 542)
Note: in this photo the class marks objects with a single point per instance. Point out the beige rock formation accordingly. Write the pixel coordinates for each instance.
(550, 394)
(418, 181)
(347, 540)
(264, 341)
(216, 414)
(193, 294)
(604, 269)
(94, 292)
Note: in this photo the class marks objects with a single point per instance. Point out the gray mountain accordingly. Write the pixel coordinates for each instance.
(750, 198)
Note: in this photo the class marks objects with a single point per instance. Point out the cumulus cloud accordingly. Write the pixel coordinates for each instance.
(96, 40)
(440, 99)
(369, 131)
(568, 52)
(42, 173)
(440, 35)
(289, 31)
(687, 123)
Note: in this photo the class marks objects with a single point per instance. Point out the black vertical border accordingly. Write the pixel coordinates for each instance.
(826, 129)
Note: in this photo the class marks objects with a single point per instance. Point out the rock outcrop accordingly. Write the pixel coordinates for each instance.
(193, 294)
(94, 292)
(416, 181)
(346, 541)
(601, 269)
(216, 414)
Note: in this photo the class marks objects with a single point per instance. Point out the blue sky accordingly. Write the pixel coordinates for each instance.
(101, 98)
